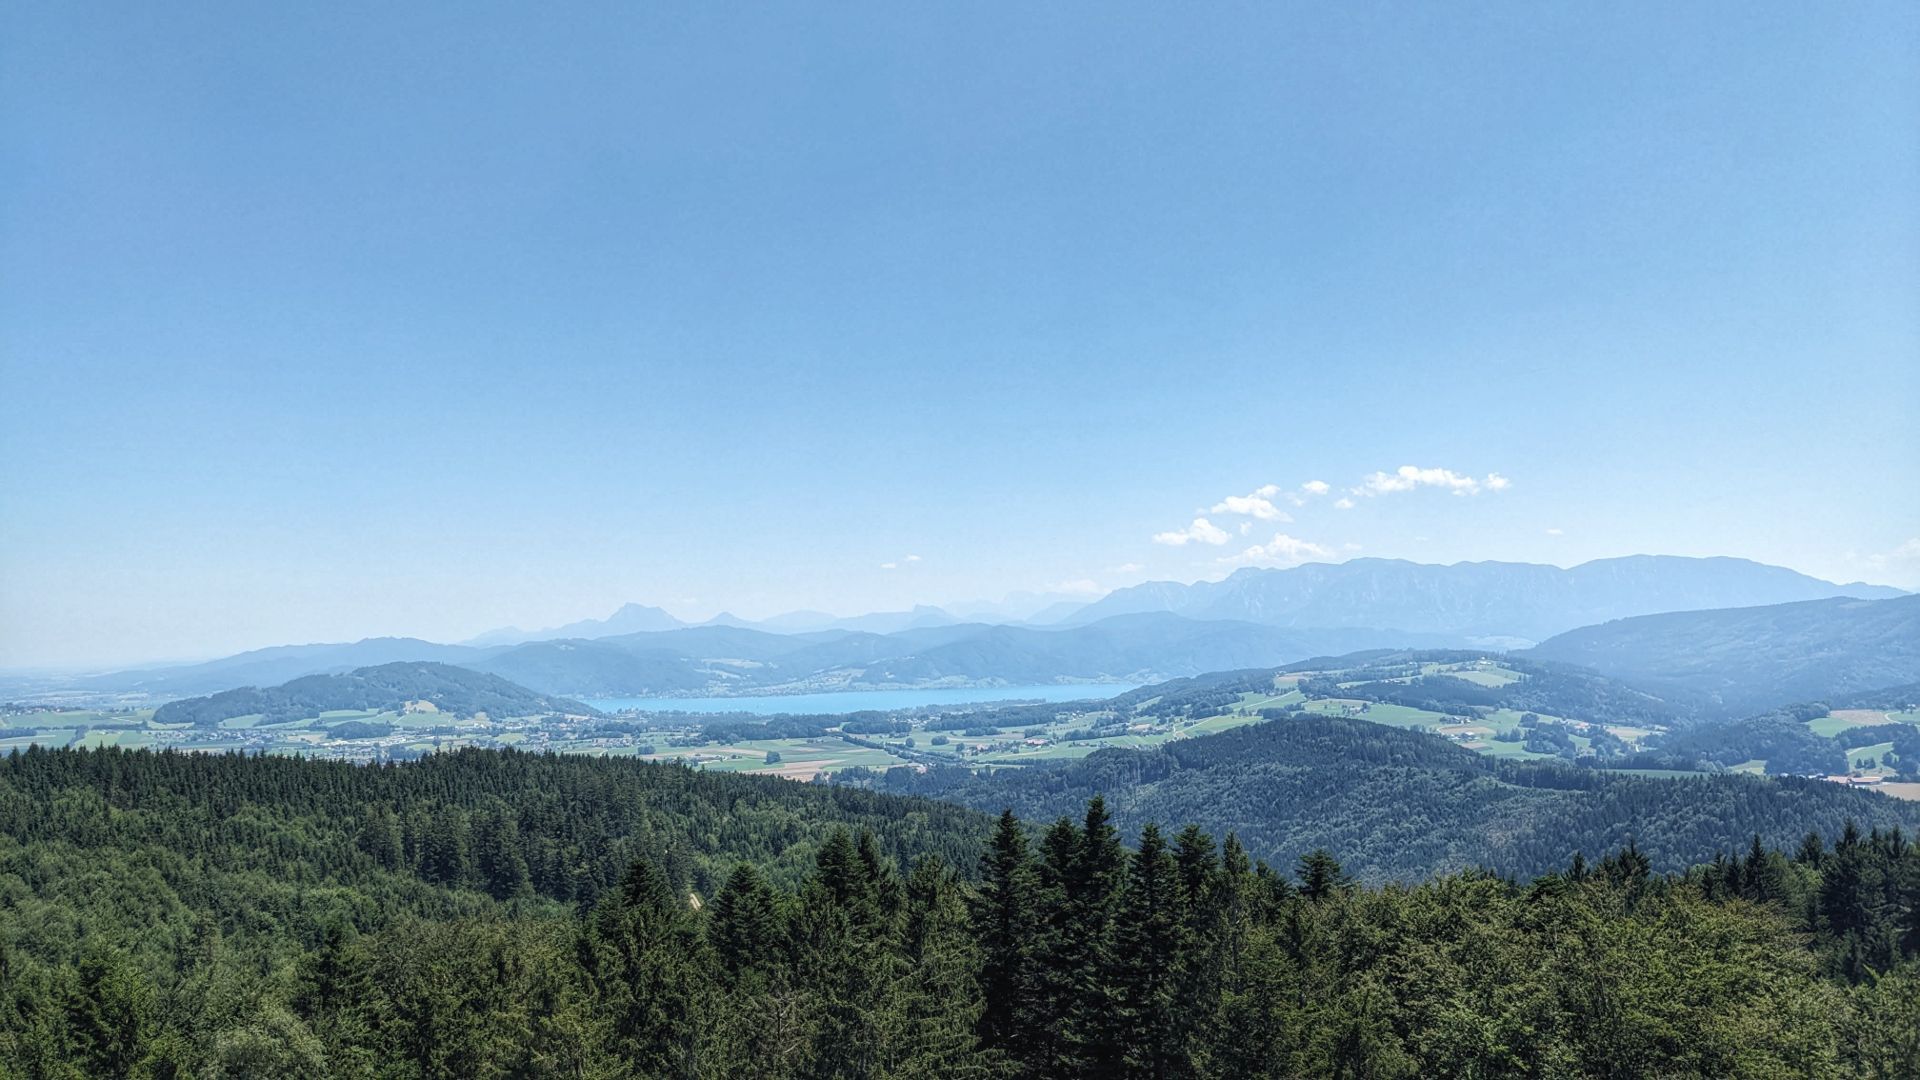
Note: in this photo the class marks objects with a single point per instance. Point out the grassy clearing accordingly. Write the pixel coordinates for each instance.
(1214, 724)
(1860, 756)
(61, 718)
(1483, 674)
(1846, 719)
(1400, 716)
(1516, 751)
(799, 758)
(1254, 702)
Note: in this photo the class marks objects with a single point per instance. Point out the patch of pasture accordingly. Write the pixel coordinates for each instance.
(1401, 716)
(1859, 756)
(1841, 720)
(53, 718)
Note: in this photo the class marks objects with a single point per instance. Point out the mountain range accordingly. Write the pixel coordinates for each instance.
(1519, 602)
(1152, 631)
(1499, 601)
(1748, 659)
(1130, 648)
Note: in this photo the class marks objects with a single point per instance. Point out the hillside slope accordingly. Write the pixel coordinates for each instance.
(1134, 648)
(1401, 805)
(449, 689)
(1752, 659)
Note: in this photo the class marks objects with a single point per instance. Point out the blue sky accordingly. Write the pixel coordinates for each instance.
(325, 321)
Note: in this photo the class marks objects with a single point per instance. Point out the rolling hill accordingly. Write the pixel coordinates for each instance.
(1493, 600)
(1751, 659)
(1398, 804)
(1136, 648)
(274, 665)
(449, 689)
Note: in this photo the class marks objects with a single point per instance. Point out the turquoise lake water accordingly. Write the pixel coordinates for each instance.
(847, 701)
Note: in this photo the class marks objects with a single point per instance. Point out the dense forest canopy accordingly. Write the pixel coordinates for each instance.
(169, 915)
(1402, 805)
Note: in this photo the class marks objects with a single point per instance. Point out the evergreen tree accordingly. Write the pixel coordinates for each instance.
(940, 1003)
(444, 856)
(1007, 921)
(380, 837)
(498, 858)
(1149, 942)
(643, 950)
(1092, 1028)
(1321, 875)
(844, 954)
(744, 926)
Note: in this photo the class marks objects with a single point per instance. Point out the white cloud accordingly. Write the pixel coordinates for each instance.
(1128, 568)
(1282, 550)
(1556, 532)
(1901, 555)
(1201, 531)
(1316, 487)
(1409, 477)
(1257, 503)
(1343, 503)
(908, 560)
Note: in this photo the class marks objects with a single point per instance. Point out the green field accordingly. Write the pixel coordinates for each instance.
(1846, 719)
(72, 718)
(1481, 673)
(1859, 756)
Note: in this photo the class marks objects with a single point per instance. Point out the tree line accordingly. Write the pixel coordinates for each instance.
(312, 937)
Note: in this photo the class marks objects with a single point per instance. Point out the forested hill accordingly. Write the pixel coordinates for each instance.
(389, 687)
(1751, 659)
(283, 834)
(1402, 805)
(489, 914)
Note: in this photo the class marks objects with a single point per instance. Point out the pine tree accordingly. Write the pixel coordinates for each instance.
(1006, 921)
(744, 928)
(940, 1003)
(1093, 1022)
(1149, 941)
(444, 855)
(498, 858)
(1321, 875)
(380, 837)
(845, 956)
(644, 952)
(1057, 969)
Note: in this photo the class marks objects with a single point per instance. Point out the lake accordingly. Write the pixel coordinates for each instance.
(848, 701)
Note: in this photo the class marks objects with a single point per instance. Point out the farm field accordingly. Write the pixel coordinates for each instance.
(1846, 719)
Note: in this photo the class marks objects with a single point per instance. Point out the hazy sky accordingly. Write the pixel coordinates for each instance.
(331, 320)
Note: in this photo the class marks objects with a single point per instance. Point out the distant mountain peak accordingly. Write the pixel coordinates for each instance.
(629, 618)
(1528, 601)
